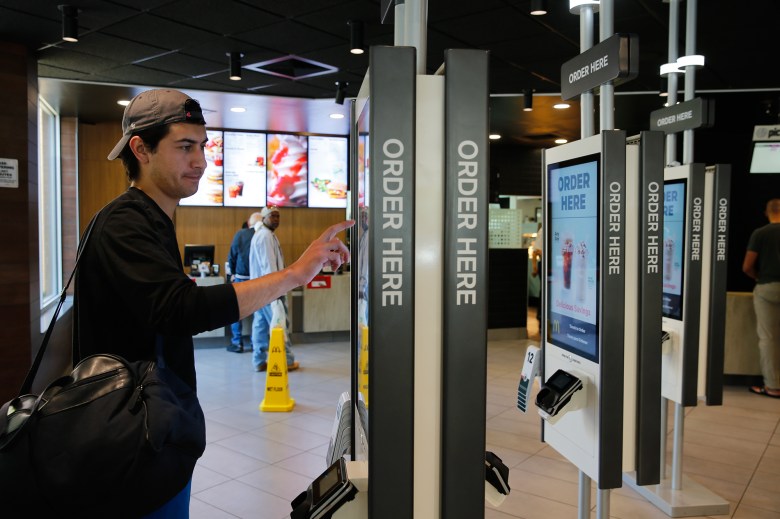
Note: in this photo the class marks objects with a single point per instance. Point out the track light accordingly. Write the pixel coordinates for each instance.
(528, 98)
(235, 65)
(70, 23)
(356, 37)
(341, 92)
(538, 7)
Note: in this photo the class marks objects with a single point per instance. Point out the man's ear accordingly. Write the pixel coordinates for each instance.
(139, 149)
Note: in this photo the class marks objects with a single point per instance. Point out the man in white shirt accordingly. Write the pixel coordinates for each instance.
(265, 257)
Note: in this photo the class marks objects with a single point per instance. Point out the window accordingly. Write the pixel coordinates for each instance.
(49, 205)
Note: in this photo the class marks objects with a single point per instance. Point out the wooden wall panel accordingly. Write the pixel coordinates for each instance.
(100, 179)
(19, 298)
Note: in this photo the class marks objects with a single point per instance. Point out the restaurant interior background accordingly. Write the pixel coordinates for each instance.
(293, 55)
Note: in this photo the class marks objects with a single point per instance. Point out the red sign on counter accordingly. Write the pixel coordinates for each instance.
(319, 282)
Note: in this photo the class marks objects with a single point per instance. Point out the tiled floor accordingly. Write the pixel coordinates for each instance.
(256, 463)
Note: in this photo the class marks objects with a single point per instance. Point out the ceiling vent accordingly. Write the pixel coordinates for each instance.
(292, 67)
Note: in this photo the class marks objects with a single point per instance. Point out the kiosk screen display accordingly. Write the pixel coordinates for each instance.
(573, 255)
(674, 245)
(766, 158)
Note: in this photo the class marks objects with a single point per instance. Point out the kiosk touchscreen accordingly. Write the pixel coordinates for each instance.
(682, 269)
(572, 260)
(673, 247)
(581, 399)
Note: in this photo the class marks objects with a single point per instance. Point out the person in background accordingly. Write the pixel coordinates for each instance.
(238, 261)
(762, 263)
(265, 257)
(130, 286)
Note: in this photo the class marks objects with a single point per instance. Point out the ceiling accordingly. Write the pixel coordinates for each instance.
(127, 45)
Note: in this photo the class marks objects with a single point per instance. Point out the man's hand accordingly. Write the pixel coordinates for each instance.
(325, 250)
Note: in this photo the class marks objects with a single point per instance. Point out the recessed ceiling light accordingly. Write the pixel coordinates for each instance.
(336, 116)
(494, 136)
(561, 141)
(561, 106)
(238, 109)
(123, 102)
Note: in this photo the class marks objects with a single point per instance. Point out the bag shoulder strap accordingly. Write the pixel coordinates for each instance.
(30, 378)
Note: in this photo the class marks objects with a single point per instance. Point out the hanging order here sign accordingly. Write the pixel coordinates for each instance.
(615, 59)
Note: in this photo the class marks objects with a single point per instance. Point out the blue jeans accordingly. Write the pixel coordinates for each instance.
(261, 335)
(177, 508)
(236, 329)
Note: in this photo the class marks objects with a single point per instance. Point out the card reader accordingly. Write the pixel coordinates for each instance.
(557, 392)
(325, 495)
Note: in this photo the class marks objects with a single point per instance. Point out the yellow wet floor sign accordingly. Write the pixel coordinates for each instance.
(277, 389)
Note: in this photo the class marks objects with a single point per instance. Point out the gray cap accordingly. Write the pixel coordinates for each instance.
(156, 108)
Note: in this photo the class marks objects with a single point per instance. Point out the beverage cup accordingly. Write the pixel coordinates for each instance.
(568, 252)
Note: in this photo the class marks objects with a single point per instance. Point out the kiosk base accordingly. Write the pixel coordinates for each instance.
(692, 500)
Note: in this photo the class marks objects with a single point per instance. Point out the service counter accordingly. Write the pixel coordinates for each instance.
(741, 355)
(326, 306)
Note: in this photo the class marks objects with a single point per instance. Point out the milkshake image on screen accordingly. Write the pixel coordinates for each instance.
(567, 250)
(580, 270)
(668, 258)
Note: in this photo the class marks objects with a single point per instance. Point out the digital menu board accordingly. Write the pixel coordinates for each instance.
(210, 190)
(287, 170)
(573, 255)
(674, 245)
(244, 166)
(327, 171)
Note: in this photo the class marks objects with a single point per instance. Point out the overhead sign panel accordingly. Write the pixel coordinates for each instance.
(689, 115)
(614, 59)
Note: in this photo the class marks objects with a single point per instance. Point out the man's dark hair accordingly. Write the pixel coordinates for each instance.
(151, 138)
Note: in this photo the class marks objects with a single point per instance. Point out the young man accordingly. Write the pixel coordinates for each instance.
(762, 263)
(132, 296)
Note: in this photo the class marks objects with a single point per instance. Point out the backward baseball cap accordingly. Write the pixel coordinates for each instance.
(156, 108)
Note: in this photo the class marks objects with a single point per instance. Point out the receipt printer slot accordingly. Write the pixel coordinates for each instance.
(557, 392)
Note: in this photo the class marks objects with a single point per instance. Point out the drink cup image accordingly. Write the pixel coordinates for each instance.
(580, 270)
(240, 186)
(218, 158)
(233, 191)
(567, 249)
(668, 258)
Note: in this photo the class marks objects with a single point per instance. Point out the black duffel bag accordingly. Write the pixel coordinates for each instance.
(113, 439)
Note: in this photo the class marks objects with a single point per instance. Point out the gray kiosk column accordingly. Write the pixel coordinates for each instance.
(464, 348)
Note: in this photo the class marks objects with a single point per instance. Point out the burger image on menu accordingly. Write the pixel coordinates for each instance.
(214, 194)
(336, 189)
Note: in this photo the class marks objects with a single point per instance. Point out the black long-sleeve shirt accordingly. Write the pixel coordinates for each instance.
(131, 288)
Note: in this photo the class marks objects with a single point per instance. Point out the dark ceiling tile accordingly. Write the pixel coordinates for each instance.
(231, 17)
(187, 66)
(139, 75)
(76, 61)
(289, 37)
(15, 26)
(159, 32)
(112, 48)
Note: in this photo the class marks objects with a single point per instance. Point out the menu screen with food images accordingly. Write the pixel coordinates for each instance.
(245, 169)
(572, 252)
(210, 190)
(287, 170)
(327, 172)
(674, 245)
